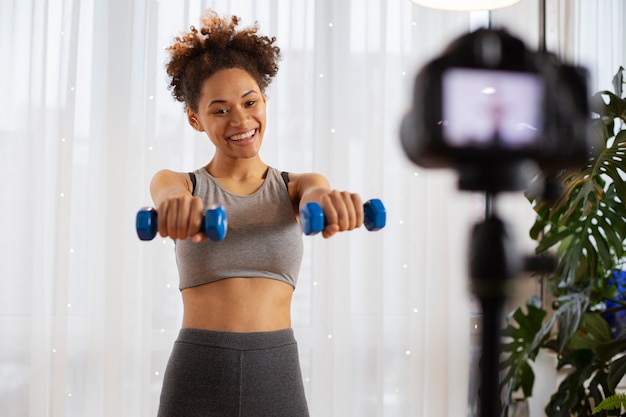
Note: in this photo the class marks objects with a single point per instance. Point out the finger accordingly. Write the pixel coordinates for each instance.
(330, 230)
(163, 211)
(183, 217)
(172, 219)
(327, 204)
(199, 237)
(195, 214)
(350, 212)
(358, 207)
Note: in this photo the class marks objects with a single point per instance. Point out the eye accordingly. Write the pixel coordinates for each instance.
(220, 111)
(250, 103)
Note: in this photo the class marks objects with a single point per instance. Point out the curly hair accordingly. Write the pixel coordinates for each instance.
(198, 54)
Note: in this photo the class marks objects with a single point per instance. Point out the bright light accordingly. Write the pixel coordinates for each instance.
(465, 5)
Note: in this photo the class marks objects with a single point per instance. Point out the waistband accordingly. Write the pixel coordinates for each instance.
(238, 341)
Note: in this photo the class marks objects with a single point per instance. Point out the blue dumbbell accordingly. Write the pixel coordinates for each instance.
(312, 217)
(214, 223)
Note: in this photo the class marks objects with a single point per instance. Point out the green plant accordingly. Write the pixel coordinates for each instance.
(585, 228)
(614, 402)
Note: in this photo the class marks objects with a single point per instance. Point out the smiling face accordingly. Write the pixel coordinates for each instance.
(231, 111)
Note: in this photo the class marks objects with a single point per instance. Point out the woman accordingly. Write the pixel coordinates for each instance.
(236, 354)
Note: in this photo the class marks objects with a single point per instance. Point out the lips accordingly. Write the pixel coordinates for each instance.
(243, 136)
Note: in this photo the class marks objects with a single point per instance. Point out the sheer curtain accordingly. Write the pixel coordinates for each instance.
(88, 313)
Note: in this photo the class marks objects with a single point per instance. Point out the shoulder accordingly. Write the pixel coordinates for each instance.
(299, 183)
(306, 180)
(166, 174)
(168, 178)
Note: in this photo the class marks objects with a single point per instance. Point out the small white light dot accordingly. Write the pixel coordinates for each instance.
(62, 139)
(164, 241)
(156, 373)
(414, 23)
(71, 250)
(69, 305)
(307, 379)
(332, 130)
(315, 283)
(162, 330)
(330, 336)
(54, 351)
(401, 221)
(405, 266)
(69, 394)
(168, 286)
(321, 75)
(150, 148)
(72, 89)
(62, 33)
(403, 73)
(475, 326)
(330, 25)
(151, 98)
(407, 353)
(62, 195)
(416, 174)
(415, 310)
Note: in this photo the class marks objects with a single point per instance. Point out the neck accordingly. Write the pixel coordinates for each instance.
(237, 168)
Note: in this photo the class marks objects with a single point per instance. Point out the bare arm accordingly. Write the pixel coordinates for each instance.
(343, 210)
(180, 213)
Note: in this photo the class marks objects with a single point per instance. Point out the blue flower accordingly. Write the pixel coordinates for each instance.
(617, 320)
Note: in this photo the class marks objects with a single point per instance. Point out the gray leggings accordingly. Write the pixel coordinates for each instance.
(221, 374)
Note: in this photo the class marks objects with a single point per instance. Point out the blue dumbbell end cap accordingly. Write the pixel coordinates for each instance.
(311, 218)
(375, 215)
(215, 223)
(146, 223)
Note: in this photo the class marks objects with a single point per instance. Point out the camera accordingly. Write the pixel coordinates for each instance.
(497, 112)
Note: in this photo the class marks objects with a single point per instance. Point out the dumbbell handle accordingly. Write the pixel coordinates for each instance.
(312, 216)
(214, 223)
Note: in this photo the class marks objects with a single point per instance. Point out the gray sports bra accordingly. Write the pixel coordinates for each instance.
(263, 238)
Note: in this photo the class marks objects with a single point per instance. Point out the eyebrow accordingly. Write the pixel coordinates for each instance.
(247, 93)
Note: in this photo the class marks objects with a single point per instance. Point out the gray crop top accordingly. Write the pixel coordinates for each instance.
(263, 238)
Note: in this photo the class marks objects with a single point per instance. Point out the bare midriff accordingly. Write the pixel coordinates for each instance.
(238, 305)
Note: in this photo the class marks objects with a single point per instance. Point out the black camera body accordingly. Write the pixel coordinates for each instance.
(488, 106)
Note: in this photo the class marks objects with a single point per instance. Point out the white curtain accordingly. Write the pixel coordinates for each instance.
(88, 313)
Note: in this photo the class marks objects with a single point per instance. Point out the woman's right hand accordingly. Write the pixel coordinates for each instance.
(180, 213)
(180, 217)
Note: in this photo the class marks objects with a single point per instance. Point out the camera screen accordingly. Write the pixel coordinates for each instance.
(491, 109)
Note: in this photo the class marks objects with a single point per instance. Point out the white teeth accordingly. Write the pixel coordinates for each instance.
(243, 135)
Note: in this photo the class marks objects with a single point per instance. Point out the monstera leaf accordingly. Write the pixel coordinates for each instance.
(588, 220)
(585, 228)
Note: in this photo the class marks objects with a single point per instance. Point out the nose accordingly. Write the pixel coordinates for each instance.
(238, 116)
